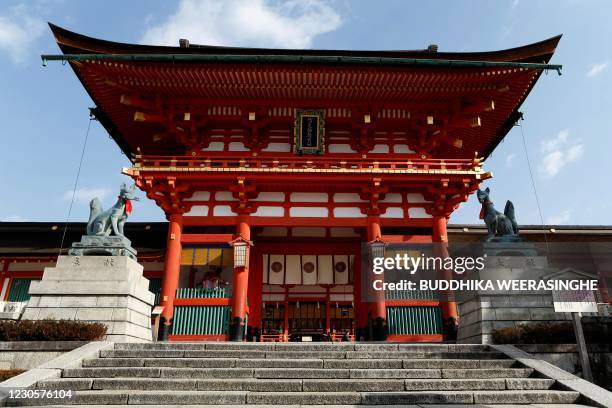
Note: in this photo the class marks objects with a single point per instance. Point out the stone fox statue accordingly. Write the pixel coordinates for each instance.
(497, 223)
(112, 220)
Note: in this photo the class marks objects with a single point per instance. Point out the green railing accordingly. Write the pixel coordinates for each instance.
(196, 320)
(411, 295)
(414, 320)
(20, 290)
(191, 293)
(202, 320)
(155, 285)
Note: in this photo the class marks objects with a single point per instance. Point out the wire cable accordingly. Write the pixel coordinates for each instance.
(533, 184)
(76, 182)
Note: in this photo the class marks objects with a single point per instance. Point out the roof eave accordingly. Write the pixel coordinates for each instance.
(75, 43)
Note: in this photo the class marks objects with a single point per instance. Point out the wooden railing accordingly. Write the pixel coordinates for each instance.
(201, 311)
(338, 337)
(192, 293)
(276, 338)
(300, 163)
(414, 320)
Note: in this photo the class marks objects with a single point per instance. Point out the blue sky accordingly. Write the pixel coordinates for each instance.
(44, 115)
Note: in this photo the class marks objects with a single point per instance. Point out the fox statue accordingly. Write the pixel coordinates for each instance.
(497, 223)
(112, 220)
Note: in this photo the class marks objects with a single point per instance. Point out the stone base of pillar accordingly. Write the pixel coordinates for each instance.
(379, 329)
(106, 289)
(165, 329)
(236, 329)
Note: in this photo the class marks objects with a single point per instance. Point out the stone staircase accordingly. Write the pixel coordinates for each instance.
(296, 374)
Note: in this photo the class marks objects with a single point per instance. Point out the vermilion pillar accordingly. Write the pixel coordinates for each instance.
(240, 285)
(378, 309)
(172, 269)
(440, 239)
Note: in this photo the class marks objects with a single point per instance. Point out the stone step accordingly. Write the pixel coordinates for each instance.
(445, 373)
(216, 398)
(417, 363)
(204, 363)
(488, 373)
(475, 397)
(316, 346)
(488, 355)
(101, 372)
(295, 385)
(164, 398)
(73, 384)
(465, 363)
(338, 406)
(295, 363)
(483, 355)
(526, 397)
(386, 385)
(478, 384)
(217, 354)
(342, 373)
(166, 372)
(529, 383)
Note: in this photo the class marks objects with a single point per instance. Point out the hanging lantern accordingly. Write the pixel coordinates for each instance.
(241, 252)
(318, 306)
(377, 248)
(298, 304)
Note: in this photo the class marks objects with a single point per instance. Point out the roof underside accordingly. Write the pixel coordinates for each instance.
(231, 77)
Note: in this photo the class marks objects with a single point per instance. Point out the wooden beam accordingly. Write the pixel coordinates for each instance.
(478, 107)
(148, 117)
(136, 102)
(465, 122)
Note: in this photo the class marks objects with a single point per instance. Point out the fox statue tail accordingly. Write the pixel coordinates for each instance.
(509, 213)
(95, 208)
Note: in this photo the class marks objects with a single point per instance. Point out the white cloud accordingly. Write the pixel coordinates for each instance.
(515, 3)
(14, 218)
(260, 23)
(510, 159)
(558, 153)
(561, 218)
(550, 145)
(19, 29)
(596, 69)
(85, 194)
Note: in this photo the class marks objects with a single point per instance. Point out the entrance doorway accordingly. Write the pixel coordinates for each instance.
(307, 320)
(273, 319)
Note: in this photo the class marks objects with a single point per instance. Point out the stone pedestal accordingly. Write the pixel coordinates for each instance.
(99, 245)
(12, 310)
(107, 289)
(483, 312)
